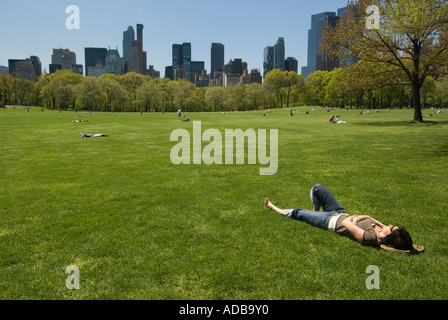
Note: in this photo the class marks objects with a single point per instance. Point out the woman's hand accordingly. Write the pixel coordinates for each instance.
(354, 230)
(357, 218)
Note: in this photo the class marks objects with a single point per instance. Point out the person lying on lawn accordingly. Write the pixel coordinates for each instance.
(364, 229)
(92, 135)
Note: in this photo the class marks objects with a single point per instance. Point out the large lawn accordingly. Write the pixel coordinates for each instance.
(139, 227)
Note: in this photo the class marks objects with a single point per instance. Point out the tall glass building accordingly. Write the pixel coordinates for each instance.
(128, 40)
(217, 58)
(182, 58)
(94, 56)
(318, 60)
(268, 63)
(279, 54)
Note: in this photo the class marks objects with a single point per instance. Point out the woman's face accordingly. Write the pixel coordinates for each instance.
(387, 230)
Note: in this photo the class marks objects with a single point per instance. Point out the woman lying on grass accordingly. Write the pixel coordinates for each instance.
(92, 135)
(364, 229)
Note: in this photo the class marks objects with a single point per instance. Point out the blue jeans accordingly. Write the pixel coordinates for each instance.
(320, 196)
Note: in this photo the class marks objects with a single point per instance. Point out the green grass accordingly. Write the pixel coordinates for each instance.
(139, 227)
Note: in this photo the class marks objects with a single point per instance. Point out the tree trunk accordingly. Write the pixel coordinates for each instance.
(416, 87)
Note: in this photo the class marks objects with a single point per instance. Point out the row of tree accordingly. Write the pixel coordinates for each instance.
(346, 87)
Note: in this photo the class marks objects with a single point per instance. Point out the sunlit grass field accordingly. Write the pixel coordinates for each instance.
(139, 227)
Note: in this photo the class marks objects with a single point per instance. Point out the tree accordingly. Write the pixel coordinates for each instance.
(257, 97)
(115, 95)
(149, 96)
(6, 88)
(283, 82)
(315, 87)
(58, 89)
(168, 88)
(214, 98)
(89, 94)
(411, 39)
(184, 93)
(441, 92)
(131, 82)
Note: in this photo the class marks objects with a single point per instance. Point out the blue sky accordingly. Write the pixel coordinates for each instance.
(245, 27)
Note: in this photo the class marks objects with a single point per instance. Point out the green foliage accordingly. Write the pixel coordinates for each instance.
(283, 84)
(410, 44)
(353, 86)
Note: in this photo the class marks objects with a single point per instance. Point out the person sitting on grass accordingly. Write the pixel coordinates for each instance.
(364, 229)
(92, 135)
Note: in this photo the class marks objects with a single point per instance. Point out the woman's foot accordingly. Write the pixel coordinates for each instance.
(268, 203)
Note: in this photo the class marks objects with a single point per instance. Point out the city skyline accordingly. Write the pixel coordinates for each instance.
(245, 29)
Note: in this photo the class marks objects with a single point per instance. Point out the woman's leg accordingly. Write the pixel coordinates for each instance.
(269, 204)
(322, 197)
(314, 218)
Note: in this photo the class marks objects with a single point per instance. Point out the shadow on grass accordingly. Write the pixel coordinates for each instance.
(402, 123)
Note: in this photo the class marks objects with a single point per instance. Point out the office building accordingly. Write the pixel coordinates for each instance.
(197, 69)
(37, 65)
(25, 69)
(128, 40)
(202, 80)
(255, 76)
(182, 60)
(291, 64)
(235, 67)
(114, 63)
(153, 73)
(134, 58)
(95, 60)
(274, 57)
(169, 72)
(217, 58)
(279, 54)
(4, 69)
(64, 59)
(317, 59)
(268, 64)
(97, 70)
(323, 60)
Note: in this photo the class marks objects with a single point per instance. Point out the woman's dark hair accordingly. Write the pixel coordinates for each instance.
(399, 239)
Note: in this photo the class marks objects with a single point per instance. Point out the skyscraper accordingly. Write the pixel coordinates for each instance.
(26, 69)
(318, 60)
(182, 59)
(134, 58)
(217, 58)
(268, 64)
(128, 40)
(95, 57)
(291, 64)
(64, 59)
(274, 57)
(279, 54)
(114, 63)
